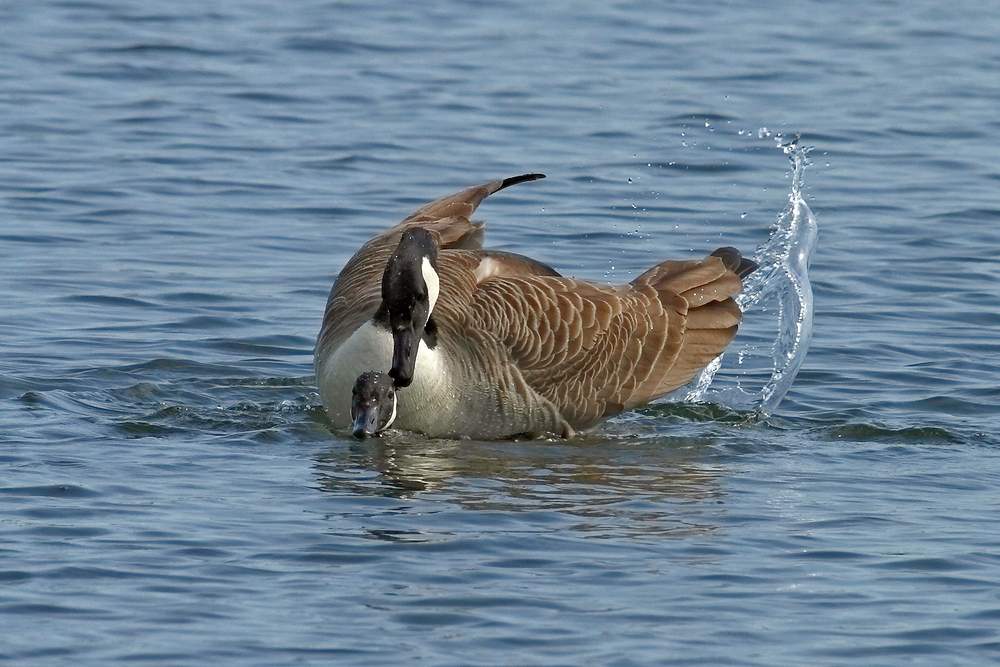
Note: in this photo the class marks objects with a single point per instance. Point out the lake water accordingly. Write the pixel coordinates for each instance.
(181, 181)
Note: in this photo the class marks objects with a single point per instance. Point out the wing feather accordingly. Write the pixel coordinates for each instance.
(596, 350)
(589, 349)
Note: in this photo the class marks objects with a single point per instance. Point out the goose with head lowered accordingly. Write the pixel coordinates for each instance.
(427, 331)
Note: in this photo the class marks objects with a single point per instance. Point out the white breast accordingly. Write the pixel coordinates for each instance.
(432, 399)
(429, 399)
(369, 348)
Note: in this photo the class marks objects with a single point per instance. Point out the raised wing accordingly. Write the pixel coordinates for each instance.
(357, 292)
(461, 205)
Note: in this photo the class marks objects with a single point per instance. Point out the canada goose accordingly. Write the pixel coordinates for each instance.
(487, 344)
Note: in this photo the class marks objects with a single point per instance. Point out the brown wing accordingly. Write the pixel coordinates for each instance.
(461, 205)
(357, 292)
(597, 350)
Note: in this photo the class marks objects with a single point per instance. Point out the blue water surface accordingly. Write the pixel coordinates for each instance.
(180, 182)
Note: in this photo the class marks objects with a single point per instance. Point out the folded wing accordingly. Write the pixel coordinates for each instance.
(597, 350)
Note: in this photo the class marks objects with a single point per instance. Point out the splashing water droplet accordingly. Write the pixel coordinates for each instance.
(777, 304)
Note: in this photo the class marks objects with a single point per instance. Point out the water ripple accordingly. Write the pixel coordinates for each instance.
(181, 181)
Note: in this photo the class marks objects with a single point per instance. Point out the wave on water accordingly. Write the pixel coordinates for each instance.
(176, 397)
(777, 304)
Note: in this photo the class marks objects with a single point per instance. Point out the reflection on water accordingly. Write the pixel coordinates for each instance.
(607, 485)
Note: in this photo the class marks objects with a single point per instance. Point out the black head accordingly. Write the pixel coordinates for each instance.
(373, 406)
(409, 289)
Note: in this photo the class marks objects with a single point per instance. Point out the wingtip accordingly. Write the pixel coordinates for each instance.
(735, 261)
(514, 180)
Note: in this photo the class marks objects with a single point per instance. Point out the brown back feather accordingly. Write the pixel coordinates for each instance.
(596, 350)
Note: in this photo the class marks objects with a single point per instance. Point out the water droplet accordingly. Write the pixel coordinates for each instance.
(780, 286)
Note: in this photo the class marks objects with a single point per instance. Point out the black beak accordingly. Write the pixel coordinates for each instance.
(404, 356)
(365, 421)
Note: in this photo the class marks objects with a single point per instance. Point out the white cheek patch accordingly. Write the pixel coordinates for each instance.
(433, 283)
(392, 417)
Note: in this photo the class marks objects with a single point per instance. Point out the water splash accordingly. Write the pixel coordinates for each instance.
(777, 303)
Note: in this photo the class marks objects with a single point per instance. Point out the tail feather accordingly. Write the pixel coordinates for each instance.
(708, 287)
(735, 261)
(709, 331)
